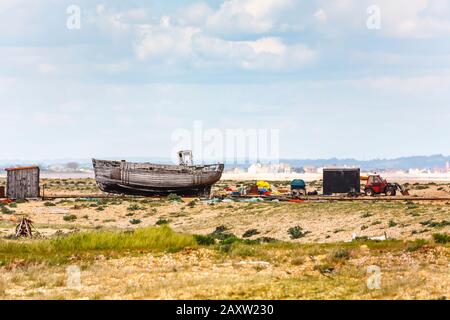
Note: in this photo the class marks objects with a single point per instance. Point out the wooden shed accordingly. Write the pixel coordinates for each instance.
(22, 182)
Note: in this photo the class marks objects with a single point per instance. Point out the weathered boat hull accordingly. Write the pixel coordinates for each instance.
(148, 179)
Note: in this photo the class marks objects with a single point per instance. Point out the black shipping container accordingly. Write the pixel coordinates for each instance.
(341, 180)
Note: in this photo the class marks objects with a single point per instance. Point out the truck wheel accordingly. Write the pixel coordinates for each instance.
(391, 192)
(369, 192)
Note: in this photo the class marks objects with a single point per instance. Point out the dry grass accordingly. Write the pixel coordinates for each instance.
(122, 260)
(270, 271)
(325, 222)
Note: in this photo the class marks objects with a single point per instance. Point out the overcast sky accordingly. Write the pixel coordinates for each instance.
(136, 71)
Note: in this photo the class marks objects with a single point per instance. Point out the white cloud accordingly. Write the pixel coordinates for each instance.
(195, 14)
(7, 85)
(73, 106)
(112, 68)
(46, 68)
(193, 37)
(18, 18)
(268, 45)
(248, 16)
(321, 15)
(52, 119)
(415, 85)
(100, 8)
(9, 4)
(175, 44)
(399, 18)
(414, 18)
(165, 21)
(164, 41)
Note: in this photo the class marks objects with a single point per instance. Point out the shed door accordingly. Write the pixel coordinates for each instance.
(16, 185)
(23, 185)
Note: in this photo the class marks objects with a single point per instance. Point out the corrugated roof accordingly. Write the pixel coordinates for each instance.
(22, 168)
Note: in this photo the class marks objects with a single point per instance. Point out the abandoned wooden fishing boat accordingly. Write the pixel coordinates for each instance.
(147, 179)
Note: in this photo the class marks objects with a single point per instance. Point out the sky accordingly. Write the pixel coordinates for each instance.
(345, 78)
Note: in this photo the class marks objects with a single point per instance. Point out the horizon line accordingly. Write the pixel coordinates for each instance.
(226, 159)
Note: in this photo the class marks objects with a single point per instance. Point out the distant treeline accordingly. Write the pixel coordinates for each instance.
(418, 162)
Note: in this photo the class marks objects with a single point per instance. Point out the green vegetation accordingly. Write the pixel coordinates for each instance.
(442, 238)
(5, 210)
(435, 224)
(250, 233)
(324, 268)
(420, 187)
(297, 232)
(192, 204)
(113, 243)
(135, 221)
(133, 207)
(70, 217)
(162, 221)
(416, 245)
(49, 204)
(174, 197)
(339, 255)
(204, 240)
(392, 223)
(222, 234)
(89, 244)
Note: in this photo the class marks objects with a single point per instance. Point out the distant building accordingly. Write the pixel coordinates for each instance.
(298, 170)
(310, 169)
(419, 171)
(255, 168)
(282, 168)
(258, 168)
(237, 170)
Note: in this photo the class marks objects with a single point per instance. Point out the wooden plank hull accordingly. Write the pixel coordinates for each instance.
(153, 179)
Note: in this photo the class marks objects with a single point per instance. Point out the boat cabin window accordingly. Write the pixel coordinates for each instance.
(185, 158)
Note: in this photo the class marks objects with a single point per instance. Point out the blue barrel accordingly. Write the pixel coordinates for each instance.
(298, 184)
